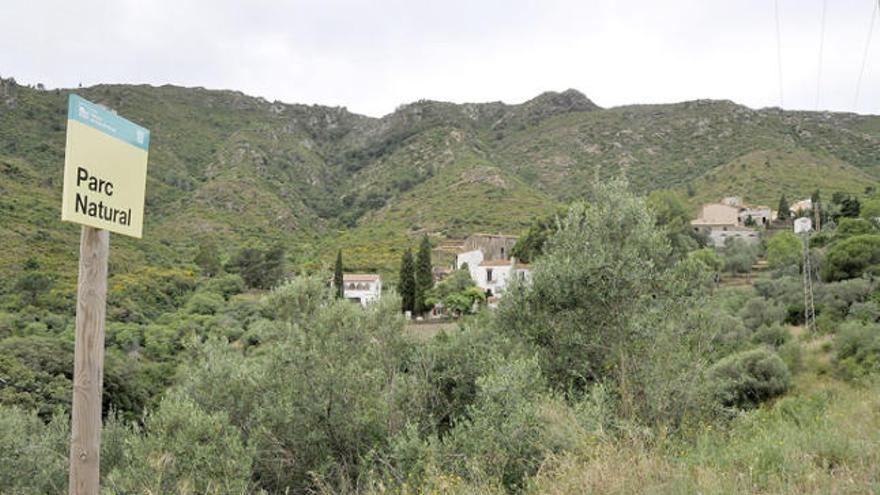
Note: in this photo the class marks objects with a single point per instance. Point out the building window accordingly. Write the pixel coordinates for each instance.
(488, 274)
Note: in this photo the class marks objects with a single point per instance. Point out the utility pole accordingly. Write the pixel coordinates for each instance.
(809, 307)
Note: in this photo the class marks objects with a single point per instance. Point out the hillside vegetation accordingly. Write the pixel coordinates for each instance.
(627, 364)
(238, 170)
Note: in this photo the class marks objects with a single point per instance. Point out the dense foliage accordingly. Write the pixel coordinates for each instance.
(620, 350)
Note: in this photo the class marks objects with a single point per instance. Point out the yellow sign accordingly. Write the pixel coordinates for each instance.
(105, 169)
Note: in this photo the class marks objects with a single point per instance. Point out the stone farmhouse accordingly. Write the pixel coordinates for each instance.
(487, 257)
(727, 220)
(362, 288)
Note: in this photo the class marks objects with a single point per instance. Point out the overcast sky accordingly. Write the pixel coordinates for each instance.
(371, 56)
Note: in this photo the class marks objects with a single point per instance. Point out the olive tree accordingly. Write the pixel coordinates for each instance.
(601, 296)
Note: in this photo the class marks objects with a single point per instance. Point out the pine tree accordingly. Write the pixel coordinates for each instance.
(337, 276)
(424, 274)
(406, 284)
(784, 211)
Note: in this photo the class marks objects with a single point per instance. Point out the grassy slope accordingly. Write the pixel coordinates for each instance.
(31, 227)
(822, 437)
(761, 177)
(667, 146)
(470, 196)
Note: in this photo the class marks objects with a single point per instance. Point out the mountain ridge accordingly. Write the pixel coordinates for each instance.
(243, 169)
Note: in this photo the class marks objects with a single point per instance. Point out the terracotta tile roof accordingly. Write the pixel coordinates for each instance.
(360, 277)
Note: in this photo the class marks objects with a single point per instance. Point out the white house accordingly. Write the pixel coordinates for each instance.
(470, 258)
(487, 257)
(494, 276)
(362, 288)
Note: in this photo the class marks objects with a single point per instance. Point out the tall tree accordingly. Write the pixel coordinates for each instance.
(259, 269)
(784, 210)
(424, 274)
(337, 276)
(273, 266)
(208, 258)
(406, 284)
(850, 207)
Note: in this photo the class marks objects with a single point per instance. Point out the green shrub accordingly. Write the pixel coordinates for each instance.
(732, 299)
(731, 333)
(857, 349)
(836, 298)
(786, 290)
(184, 450)
(33, 453)
(849, 227)
(160, 341)
(739, 256)
(205, 303)
(125, 336)
(784, 250)
(509, 431)
(319, 390)
(452, 363)
(144, 295)
(227, 284)
(774, 335)
(826, 323)
(792, 354)
(852, 257)
(605, 292)
(36, 373)
(299, 299)
(759, 311)
(868, 311)
(746, 379)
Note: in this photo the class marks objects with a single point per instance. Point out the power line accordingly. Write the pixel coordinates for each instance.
(865, 55)
(821, 52)
(778, 50)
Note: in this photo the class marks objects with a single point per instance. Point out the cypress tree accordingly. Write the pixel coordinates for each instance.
(407, 283)
(783, 212)
(337, 276)
(424, 274)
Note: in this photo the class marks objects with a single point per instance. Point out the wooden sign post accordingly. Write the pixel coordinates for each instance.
(105, 172)
(88, 365)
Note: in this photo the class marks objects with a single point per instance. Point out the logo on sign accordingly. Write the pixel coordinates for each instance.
(83, 113)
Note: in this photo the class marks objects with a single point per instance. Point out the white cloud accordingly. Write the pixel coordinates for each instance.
(372, 56)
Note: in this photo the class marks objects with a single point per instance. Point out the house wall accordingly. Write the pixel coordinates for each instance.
(500, 277)
(365, 296)
(761, 216)
(472, 259)
(494, 247)
(718, 236)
